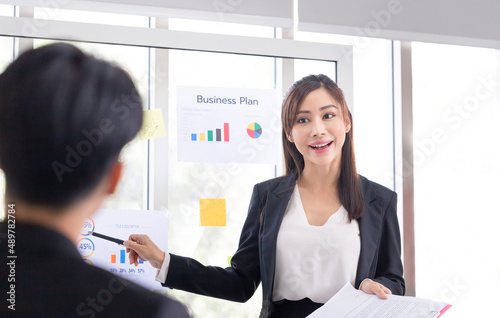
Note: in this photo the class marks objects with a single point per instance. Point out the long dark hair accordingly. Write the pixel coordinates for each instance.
(349, 188)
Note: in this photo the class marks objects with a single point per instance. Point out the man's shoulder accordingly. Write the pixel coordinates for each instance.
(126, 293)
(42, 282)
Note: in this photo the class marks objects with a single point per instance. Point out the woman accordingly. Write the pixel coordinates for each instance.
(309, 232)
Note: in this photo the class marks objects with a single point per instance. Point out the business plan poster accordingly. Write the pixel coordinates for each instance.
(228, 125)
(111, 256)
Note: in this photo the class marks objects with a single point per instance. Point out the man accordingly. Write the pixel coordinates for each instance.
(64, 118)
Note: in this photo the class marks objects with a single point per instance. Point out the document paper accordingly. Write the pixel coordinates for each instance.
(228, 125)
(352, 303)
(113, 257)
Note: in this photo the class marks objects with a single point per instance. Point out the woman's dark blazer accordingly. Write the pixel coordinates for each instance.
(255, 259)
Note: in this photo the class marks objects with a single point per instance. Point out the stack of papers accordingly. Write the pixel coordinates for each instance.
(352, 303)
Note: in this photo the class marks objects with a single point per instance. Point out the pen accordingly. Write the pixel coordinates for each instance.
(105, 237)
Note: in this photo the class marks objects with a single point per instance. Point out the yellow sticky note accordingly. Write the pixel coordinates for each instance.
(229, 260)
(152, 124)
(213, 212)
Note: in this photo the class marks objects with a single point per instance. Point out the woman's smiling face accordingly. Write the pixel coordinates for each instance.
(319, 130)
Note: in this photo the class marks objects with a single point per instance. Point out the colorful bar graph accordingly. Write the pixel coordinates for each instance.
(226, 132)
(122, 258)
(209, 135)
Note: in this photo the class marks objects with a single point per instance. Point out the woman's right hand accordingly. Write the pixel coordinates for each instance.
(372, 287)
(141, 247)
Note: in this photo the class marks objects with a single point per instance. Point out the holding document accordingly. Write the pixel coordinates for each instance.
(351, 303)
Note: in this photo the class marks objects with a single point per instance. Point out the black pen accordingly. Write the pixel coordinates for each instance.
(105, 237)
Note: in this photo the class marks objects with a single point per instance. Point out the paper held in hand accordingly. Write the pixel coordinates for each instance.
(352, 303)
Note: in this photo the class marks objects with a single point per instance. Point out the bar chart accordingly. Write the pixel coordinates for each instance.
(122, 258)
(221, 135)
(221, 132)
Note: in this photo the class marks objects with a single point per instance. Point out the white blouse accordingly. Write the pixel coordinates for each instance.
(314, 261)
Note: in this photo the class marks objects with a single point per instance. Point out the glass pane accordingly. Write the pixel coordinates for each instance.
(457, 165)
(220, 28)
(188, 182)
(307, 67)
(6, 10)
(131, 191)
(6, 51)
(373, 111)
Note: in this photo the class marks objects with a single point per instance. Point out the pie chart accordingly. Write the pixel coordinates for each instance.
(254, 130)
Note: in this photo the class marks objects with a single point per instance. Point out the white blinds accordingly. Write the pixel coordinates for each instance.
(443, 21)
(276, 13)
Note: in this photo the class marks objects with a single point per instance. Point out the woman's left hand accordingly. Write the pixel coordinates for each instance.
(371, 287)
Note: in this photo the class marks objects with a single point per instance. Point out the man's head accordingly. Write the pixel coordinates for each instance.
(64, 118)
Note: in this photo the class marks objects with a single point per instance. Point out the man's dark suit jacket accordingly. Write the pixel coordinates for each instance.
(254, 261)
(52, 280)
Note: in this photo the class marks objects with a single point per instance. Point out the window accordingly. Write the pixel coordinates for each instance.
(188, 182)
(456, 168)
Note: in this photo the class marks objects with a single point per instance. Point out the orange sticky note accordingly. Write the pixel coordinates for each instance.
(213, 212)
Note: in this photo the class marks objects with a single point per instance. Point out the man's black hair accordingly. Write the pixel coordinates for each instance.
(64, 118)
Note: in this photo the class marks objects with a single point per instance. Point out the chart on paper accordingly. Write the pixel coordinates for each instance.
(111, 256)
(222, 125)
